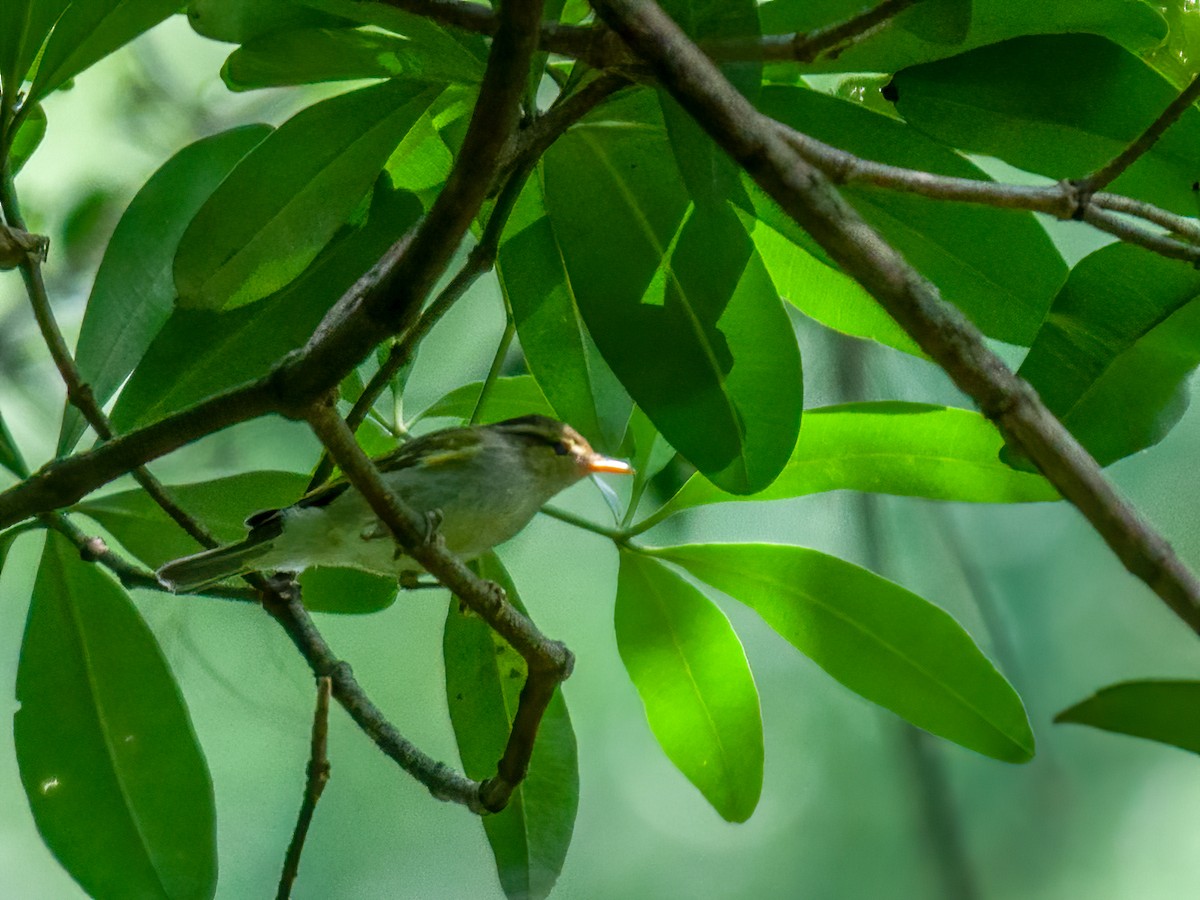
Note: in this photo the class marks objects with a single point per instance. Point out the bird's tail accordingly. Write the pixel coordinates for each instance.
(199, 570)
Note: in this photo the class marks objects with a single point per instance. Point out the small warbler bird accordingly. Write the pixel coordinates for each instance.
(485, 482)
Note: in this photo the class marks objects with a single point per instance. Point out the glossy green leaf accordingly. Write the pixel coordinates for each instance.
(222, 505)
(1113, 359)
(242, 344)
(951, 244)
(938, 21)
(509, 397)
(312, 55)
(557, 346)
(691, 672)
(28, 137)
(484, 677)
(455, 48)
(878, 639)
(905, 449)
(24, 26)
(284, 201)
(238, 22)
(117, 784)
(658, 278)
(90, 30)
(1163, 711)
(1130, 23)
(134, 292)
(1059, 105)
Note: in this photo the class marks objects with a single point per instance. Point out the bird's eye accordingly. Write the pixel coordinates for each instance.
(560, 447)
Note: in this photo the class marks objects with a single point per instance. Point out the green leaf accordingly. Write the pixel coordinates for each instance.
(905, 449)
(456, 49)
(557, 346)
(1163, 711)
(658, 278)
(823, 293)
(1113, 359)
(312, 55)
(28, 137)
(938, 21)
(284, 201)
(9, 537)
(484, 677)
(242, 344)
(691, 672)
(1061, 106)
(10, 453)
(951, 244)
(117, 784)
(509, 397)
(24, 25)
(878, 639)
(90, 30)
(222, 505)
(134, 292)
(238, 22)
(1130, 23)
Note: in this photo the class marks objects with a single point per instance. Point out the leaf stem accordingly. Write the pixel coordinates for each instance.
(617, 535)
(506, 339)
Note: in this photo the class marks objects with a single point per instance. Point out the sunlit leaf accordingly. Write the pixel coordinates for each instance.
(484, 677)
(1113, 359)
(906, 449)
(134, 292)
(691, 672)
(878, 639)
(1163, 711)
(1059, 105)
(284, 201)
(116, 781)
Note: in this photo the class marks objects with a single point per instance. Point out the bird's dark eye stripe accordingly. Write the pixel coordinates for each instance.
(560, 447)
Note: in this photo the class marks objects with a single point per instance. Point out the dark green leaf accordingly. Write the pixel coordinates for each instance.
(508, 398)
(24, 25)
(115, 779)
(90, 30)
(1163, 711)
(691, 672)
(1062, 106)
(134, 293)
(881, 641)
(484, 677)
(906, 449)
(455, 48)
(241, 344)
(951, 244)
(347, 591)
(1113, 358)
(557, 346)
(938, 21)
(10, 453)
(311, 55)
(237, 21)
(657, 278)
(28, 137)
(1130, 23)
(284, 201)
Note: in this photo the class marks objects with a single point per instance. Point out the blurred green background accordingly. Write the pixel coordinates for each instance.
(848, 793)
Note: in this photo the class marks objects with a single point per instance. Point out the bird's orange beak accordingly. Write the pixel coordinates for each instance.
(598, 463)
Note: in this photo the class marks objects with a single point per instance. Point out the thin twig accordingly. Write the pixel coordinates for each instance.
(1110, 171)
(807, 46)
(502, 347)
(939, 329)
(316, 776)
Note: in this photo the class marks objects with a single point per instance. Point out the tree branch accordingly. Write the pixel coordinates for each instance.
(316, 775)
(954, 343)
